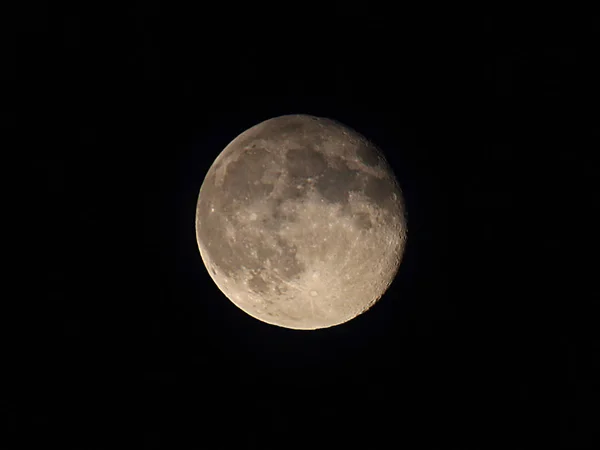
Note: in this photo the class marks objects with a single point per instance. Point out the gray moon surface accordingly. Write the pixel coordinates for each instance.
(301, 222)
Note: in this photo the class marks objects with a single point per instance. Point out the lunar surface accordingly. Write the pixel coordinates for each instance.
(300, 222)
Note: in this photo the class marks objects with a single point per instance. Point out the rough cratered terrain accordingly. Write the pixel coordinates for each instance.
(300, 222)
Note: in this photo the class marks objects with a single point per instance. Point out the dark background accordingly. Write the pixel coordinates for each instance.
(485, 338)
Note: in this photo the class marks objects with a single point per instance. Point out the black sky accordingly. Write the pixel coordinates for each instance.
(485, 338)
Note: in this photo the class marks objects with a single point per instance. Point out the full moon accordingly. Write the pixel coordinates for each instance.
(301, 222)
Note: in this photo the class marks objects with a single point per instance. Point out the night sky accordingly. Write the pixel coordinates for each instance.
(486, 336)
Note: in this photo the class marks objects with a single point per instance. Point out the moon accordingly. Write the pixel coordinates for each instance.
(301, 222)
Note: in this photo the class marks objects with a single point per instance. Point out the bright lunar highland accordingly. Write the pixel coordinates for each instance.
(301, 222)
